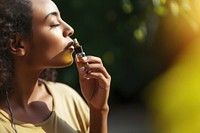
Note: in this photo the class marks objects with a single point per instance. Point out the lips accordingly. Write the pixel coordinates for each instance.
(69, 45)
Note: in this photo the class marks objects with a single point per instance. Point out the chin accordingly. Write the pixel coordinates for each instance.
(63, 61)
(66, 63)
(62, 65)
(69, 63)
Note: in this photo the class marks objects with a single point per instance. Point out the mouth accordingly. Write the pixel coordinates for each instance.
(69, 45)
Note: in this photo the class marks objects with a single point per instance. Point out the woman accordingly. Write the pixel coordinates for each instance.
(34, 38)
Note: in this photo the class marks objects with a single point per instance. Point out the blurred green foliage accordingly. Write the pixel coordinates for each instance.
(127, 35)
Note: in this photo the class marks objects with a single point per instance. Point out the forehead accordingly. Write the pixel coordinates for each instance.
(41, 8)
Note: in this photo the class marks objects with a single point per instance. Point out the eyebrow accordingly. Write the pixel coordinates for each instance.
(51, 14)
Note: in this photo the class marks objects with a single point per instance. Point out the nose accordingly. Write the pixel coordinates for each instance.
(68, 30)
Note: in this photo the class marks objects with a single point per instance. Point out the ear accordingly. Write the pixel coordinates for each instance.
(17, 45)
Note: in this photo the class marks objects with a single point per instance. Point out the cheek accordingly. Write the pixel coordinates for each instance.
(50, 43)
(49, 49)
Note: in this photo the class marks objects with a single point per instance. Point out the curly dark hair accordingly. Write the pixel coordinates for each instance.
(15, 18)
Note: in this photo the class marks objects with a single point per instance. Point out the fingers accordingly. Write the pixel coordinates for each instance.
(103, 82)
(93, 68)
(97, 68)
(89, 59)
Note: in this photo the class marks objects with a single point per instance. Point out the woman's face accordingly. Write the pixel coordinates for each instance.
(50, 45)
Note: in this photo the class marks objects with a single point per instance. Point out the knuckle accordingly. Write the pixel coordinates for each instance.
(109, 77)
(100, 75)
(99, 60)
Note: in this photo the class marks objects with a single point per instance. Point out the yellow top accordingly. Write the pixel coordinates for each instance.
(70, 114)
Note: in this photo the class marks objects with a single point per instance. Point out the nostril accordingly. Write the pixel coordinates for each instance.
(68, 32)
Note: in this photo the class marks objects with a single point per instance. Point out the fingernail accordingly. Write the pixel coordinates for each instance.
(82, 69)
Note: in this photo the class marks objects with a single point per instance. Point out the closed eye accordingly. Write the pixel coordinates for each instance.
(54, 25)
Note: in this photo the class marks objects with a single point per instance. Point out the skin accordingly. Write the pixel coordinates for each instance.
(48, 48)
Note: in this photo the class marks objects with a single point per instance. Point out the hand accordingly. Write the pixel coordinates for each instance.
(94, 82)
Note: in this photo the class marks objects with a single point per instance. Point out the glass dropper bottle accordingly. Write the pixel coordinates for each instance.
(80, 54)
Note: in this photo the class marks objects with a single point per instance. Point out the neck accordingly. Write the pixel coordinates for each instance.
(26, 86)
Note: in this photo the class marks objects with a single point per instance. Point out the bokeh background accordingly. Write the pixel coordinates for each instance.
(151, 50)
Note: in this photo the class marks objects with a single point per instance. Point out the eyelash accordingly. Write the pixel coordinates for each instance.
(54, 25)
